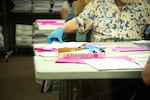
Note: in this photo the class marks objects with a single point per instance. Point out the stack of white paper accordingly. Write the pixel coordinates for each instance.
(22, 5)
(141, 59)
(143, 43)
(41, 6)
(43, 27)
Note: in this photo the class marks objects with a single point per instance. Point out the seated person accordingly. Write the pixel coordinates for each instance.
(108, 20)
(146, 73)
(142, 92)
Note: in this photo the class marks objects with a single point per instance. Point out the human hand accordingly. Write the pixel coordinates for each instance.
(56, 34)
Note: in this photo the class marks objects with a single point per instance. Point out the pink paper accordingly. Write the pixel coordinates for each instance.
(121, 57)
(79, 61)
(52, 22)
(129, 48)
(95, 44)
(69, 60)
(41, 21)
(41, 49)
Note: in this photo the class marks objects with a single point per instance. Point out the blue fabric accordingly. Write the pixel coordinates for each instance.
(92, 48)
(55, 35)
(148, 29)
(70, 14)
(80, 37)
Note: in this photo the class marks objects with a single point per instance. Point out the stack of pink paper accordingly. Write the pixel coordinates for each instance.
(51, 22)
(130, 48)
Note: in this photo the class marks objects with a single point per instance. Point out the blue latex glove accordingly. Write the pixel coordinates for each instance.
(92, 48)
(148, 29)
(56, 34)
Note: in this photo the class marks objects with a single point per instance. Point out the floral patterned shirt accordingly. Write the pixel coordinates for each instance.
(105, 21)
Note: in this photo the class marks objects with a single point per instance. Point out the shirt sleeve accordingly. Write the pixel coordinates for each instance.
(70, 14)
(85, 18)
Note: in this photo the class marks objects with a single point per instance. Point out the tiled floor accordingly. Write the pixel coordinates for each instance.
(17, 80)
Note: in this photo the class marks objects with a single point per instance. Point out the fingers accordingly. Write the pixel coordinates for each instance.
(60, 40)
(49, 40)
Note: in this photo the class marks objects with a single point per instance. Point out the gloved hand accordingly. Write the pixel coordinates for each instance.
(56, 34)
(92, 48)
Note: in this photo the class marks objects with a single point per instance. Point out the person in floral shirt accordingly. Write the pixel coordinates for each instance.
(116, 20)
(108, 20)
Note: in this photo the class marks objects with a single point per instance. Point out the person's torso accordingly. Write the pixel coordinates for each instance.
(110, 22)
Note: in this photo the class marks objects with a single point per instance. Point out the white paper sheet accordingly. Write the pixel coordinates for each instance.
(111, 64)
(141, 59)
(143, 43)
(47, 54)
(57, 45)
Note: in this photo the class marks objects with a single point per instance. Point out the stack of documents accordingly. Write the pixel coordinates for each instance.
(22, 5)
(57, 5)
(143, 43)
(24, 35)
(41, 6)
(120, 62)
(51, 49)
(130, 48)
(43, 27)
(111, 64)
(141, 59)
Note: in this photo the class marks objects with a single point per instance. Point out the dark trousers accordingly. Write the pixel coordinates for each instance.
(142, 92)
(107, 89)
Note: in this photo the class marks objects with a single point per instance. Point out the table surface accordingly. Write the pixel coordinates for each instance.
(46, 68)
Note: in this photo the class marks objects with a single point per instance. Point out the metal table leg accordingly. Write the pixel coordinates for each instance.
(65, 90)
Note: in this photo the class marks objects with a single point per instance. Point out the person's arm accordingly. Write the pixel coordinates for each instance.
(64, 9)
(70, 26)
(85, 18)
(146, 73)
(77, 23)
(69, 36)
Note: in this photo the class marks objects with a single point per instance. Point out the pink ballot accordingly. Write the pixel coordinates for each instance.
(121, 57)
(130, 48)
(83, 55)
(42, 49)
(52, 22)
(69, 60)
(80, 61)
